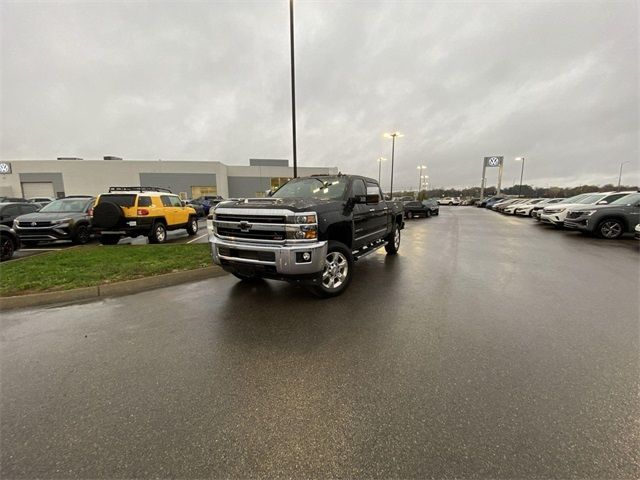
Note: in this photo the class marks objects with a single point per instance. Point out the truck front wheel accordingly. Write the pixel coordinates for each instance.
(337, 273)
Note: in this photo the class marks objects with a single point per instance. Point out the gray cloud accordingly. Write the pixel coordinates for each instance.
(555, 82)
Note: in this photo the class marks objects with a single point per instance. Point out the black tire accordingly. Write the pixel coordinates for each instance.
(610, 228)
(437, 212)
(393, 241)
(158, 233)
(7, 248)
(192, 226)
(409, 215)
(427, 214)
(338, 266)
(450, 204)
(82, 235)
(106, 215)
(109, 239)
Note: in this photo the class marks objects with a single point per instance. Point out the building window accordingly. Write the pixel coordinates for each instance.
(202, 191)
(277, 182)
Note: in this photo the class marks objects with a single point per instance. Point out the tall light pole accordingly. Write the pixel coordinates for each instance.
(420, 168)
(293, 92)
(392, 136)
(620, 174)
(520, 159)
(380, 160)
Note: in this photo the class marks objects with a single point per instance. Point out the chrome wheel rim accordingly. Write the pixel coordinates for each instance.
(194, 225)
(396, 239)
(160, 233)
(409, 214)
(611, 229)
(336, 269)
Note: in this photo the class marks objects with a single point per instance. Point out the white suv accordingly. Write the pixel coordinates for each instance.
(449, 201)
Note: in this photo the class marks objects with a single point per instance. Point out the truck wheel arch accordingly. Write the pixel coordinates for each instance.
(340, 232)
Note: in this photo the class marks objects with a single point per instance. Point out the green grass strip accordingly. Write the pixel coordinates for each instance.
(95, 265)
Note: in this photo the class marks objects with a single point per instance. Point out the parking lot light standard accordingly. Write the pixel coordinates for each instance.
(620, 174)
(520, 159)
(393, 136)
(420, 177)
(380, 160)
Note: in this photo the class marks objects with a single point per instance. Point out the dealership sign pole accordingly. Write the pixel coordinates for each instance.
(493, 161)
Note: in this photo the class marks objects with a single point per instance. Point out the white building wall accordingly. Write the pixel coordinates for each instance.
(92, 177)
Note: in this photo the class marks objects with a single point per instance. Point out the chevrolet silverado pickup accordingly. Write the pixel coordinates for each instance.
(310, 231)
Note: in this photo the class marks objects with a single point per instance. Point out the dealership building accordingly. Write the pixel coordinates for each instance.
(190, 179)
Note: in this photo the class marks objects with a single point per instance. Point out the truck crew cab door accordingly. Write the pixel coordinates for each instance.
(362, 217)
(379, 212)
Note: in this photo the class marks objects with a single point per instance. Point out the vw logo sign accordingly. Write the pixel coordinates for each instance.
(493, 162)
(5, 167)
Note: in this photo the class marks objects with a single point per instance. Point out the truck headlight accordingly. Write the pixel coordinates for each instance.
(306, 219)
(302, 232)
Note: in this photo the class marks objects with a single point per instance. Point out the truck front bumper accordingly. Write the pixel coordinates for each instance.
(284, 260)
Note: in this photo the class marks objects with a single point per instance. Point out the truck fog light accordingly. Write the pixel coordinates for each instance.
(303, 257)
(300, 235)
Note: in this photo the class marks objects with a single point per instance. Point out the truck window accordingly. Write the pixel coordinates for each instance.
(358, 188)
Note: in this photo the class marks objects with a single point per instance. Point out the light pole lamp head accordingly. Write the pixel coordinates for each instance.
(519, 159)
(393, 135)
(381, 159)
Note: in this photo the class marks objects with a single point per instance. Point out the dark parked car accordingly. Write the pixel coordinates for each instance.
(607, 221)
(9, 211)
(489, 202)
(199, 208)
(9, 243)
(207, 202)
(64, 219)
(415, 208)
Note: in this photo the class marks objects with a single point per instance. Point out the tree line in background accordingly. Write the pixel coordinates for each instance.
(528, 191)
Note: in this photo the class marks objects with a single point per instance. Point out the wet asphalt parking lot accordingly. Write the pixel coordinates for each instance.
(490, 347)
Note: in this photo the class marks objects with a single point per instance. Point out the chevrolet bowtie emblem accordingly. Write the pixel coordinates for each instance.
(244, 226)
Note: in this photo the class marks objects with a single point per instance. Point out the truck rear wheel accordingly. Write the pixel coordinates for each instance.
(337, 273)
(393, 241)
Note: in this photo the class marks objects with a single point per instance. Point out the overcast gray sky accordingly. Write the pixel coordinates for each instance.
(554, 81)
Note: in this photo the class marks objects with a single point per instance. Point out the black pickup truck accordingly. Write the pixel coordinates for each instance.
(310, 231)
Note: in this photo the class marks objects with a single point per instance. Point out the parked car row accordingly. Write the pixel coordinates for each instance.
(424, 208)
(120, 212)
(606, 214)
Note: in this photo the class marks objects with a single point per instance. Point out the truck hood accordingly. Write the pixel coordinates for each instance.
(293, 204)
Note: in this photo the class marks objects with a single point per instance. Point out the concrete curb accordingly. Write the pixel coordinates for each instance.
(110, 289)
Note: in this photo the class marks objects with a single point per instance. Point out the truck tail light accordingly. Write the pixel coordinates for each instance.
(142, 212)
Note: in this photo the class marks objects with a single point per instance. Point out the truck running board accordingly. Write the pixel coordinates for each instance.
(364, 251)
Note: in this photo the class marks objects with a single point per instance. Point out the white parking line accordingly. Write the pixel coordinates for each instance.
(197, 238)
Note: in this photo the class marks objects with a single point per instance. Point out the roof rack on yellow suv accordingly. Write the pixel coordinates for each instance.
(139, 189)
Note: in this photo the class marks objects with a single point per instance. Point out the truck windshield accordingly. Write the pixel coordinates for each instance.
(328, 188)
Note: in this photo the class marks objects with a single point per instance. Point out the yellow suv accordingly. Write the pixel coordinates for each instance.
(135, 211)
